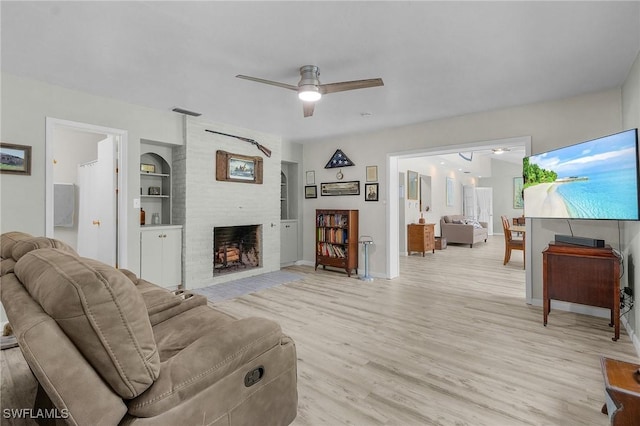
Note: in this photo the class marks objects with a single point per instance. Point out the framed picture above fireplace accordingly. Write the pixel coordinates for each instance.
(238, 168)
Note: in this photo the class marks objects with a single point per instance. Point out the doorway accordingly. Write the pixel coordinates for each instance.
(85, 190)
(394, 184)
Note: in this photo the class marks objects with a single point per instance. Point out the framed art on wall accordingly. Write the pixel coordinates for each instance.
(412, 185)
(340, 188)
(15, 159)
(450, 191)
(371, 192)
(238, 168)
(311, 177)
(518, 185)
(372, 173)
(311, 191)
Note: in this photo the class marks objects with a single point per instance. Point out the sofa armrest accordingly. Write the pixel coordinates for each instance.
(206, 361)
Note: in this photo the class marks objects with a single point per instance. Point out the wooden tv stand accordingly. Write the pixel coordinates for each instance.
(584, 275)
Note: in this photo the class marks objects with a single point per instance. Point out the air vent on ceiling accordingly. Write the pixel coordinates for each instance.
(186, 112)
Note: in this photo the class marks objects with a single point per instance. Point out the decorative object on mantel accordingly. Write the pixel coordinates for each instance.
(340, 188)
(339, 159)
(311, 191)
(261, 147)
(15, 159)
(238, 168)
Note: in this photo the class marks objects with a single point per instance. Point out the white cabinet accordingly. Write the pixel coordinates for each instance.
(288, 242)
(161, 255)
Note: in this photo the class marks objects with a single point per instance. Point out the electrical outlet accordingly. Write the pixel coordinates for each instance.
(136, 203)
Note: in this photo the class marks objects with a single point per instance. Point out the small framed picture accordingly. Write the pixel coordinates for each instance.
(371, 192)
(372, 173)
(311, 191)
(147, 168)
(311, 177)
(15, 159)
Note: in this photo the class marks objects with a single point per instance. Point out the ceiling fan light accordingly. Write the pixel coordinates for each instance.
(309, 93)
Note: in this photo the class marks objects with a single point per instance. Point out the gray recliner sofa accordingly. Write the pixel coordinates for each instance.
(108, 348)
(455, 230)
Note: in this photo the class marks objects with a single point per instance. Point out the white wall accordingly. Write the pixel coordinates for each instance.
(25, 105)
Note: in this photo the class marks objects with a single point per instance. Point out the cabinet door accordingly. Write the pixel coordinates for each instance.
(172, 258)
(151, 258)
(288, 241)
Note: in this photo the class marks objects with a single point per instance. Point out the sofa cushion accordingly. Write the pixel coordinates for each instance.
(210, 357)
(100, 310)
(6, 266)
(8, 239)
(22, 247)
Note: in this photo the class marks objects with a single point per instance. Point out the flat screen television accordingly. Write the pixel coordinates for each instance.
(596, 179)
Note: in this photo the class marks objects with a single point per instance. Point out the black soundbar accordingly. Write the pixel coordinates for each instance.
(579, 241)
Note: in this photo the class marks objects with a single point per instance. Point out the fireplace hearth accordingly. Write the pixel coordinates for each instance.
(235, 248)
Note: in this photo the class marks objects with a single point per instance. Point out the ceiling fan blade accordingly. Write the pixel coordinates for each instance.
(307, 108)
(350, 85)
(272, 83)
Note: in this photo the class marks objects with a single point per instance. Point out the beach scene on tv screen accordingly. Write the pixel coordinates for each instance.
(590, 180)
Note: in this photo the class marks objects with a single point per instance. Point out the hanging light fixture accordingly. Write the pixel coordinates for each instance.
(309, 93)
(499, 151)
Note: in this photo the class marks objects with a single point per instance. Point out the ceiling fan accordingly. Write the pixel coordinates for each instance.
(310, 90)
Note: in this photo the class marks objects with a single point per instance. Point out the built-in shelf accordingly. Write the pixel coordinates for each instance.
(160, 181)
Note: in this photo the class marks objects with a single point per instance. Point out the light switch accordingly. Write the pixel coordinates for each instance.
(136, 203)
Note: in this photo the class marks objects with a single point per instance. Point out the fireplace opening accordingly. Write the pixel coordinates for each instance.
(235, 248)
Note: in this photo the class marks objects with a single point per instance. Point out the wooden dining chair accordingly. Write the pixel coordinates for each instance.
(510, 243)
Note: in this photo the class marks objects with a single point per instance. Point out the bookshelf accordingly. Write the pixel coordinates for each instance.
(337, 239)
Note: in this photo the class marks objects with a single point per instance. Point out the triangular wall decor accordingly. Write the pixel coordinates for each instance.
(339, 160)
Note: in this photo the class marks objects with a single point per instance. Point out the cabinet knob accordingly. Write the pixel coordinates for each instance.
(96, 222)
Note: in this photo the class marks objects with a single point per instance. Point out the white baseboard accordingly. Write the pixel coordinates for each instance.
(575, 307)
(634, 338)
(361, 271)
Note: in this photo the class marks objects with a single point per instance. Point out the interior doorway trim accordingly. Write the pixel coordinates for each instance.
(121, 198)
(393, 251)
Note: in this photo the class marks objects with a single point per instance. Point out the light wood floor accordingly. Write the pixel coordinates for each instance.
(449, 342)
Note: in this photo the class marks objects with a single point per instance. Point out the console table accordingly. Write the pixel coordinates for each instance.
(584, 275)
(622, 391)
(421, 237)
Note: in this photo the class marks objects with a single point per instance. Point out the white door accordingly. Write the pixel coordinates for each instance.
(106, 200)
(97, 227)
(469, 202)
(87, 228)
(484, 197)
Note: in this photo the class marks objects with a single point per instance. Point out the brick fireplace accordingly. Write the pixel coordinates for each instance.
(236, 248)
(201, 203)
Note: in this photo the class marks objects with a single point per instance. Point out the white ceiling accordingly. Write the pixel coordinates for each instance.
(437, 59)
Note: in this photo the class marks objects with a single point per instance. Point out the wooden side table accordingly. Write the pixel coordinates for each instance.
(622, 391)
(421, 237)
